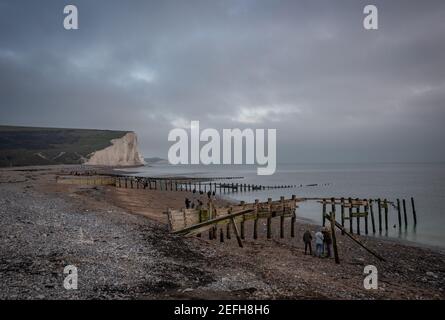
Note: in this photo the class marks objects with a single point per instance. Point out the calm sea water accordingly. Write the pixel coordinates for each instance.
(424, 182)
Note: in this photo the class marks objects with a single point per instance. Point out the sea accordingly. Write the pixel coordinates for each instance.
(425, 182)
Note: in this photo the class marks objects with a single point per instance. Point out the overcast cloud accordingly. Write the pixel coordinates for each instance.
(334, 91)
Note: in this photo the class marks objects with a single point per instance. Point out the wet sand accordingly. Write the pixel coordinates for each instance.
(120, 242)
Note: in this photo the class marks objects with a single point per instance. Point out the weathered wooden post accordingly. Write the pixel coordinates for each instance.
(269, 218)
(228, 235)
(366, 207)
(199, 220)
(334, 238)
(358, 215)
(351, 228)
(209, 217)
(235, 229)
(292, 223)
(242, 220)
(342, 208)
(385, 204)
(255, 222)
(282, 217)
(404, 213)
(414, 211)
(379, 203)
(399, 214)
(324, 212)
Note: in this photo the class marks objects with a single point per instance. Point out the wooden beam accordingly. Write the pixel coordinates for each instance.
(235, 228)
(209, 223)
(359, 242)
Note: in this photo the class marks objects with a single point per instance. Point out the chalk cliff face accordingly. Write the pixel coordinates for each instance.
(123, 152)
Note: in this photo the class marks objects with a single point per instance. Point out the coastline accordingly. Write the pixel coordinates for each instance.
(304, 220)
(120, 240)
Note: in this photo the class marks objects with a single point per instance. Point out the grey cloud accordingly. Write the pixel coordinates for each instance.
(336, 89)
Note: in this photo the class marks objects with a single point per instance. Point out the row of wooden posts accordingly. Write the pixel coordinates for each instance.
(190, 185)
(270, 216)
(368, 212)
(244, 212)
(212, 217)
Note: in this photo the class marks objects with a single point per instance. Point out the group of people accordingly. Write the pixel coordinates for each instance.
(189, 204)
(323, 242)
(209, 193)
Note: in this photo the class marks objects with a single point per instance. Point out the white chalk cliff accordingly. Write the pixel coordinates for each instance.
(122, 152)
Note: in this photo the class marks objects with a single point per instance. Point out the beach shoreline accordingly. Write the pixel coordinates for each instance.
(119, 239)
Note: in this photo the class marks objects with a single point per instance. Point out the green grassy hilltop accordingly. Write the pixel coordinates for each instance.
(23, 146)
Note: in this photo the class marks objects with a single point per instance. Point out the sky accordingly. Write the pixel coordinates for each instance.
(334, 91)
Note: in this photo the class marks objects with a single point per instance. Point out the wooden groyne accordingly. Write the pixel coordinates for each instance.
(168, 184)
(368, 215)
(352, 216)
(190, 184)
(195, 221)
(189, 222)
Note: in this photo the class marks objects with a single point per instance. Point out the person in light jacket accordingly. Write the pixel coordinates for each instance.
(318, 243)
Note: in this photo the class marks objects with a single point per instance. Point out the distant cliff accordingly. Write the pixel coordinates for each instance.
(23, 146)
(123, 152)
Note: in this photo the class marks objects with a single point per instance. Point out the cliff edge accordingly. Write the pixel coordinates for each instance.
(29, 146)
(122, 152)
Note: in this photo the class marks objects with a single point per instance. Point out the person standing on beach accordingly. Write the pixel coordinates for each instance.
(318, 243)
(307, 238)
(327, 239)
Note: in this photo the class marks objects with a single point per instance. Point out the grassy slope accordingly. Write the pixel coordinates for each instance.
(20, 146)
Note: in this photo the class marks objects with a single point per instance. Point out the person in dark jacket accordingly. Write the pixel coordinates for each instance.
(327, 239)
(187, 203)
(307, 239)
